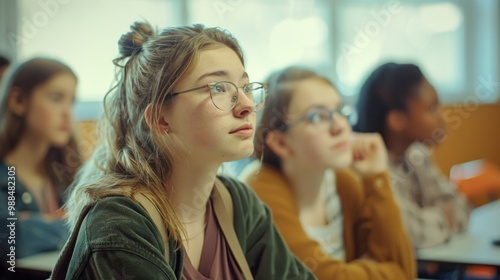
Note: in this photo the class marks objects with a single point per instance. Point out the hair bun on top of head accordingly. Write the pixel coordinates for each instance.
(131, 42)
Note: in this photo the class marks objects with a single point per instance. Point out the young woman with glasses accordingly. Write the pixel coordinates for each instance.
(342, 222)
(183, 105)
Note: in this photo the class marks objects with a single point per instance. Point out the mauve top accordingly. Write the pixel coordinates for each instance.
(217, 261)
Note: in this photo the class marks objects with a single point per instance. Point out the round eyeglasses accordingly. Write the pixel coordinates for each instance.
(323, 117)
(225, 94)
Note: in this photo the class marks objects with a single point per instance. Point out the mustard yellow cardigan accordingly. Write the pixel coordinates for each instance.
(372, 226)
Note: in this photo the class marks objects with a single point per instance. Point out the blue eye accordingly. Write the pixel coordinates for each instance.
(219, 88)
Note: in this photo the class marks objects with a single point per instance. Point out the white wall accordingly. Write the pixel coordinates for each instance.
(8, 27)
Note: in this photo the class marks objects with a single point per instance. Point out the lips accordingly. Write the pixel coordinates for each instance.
(242, 128)
(341, 145)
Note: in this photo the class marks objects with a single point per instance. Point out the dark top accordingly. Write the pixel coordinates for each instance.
(28, 236)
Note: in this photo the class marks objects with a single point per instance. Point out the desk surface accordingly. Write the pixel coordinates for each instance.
(40, 262)
(473, 246)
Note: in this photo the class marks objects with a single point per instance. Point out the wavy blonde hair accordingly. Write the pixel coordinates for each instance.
(131, 155)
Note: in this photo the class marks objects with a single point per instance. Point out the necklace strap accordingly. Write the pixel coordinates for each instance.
(198, 233)
(197, 218)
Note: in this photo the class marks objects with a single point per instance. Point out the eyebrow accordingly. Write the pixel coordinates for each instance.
(316, 107)
(220, 73)
(305, 112)
(321, 106)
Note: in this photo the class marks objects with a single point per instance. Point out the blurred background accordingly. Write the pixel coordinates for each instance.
(456, 43)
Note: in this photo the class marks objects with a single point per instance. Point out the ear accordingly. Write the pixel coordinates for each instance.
(156, 120)
(17, 103)
(396, 120)
(275, 140)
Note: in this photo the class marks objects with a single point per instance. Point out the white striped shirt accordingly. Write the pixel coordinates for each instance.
(330, 236)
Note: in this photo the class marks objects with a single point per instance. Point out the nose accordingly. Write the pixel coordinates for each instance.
(67, 111)
(441, 120)
(244, 106)
(337, 124)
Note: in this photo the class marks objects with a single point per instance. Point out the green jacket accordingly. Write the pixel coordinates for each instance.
(118, 240)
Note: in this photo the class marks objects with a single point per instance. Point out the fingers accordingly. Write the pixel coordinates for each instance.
(373, 137)
(369, 153)
(365, 144)
(359, 150)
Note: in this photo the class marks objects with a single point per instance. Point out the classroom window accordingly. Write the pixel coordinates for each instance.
(455, 42)
(84, 34)
(274, 34)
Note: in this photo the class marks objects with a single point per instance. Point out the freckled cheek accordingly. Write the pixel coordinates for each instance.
(203, 129)
(202, 136)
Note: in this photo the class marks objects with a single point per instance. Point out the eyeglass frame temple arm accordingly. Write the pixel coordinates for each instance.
(264, 86)
(286, 126)
(193, 89)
